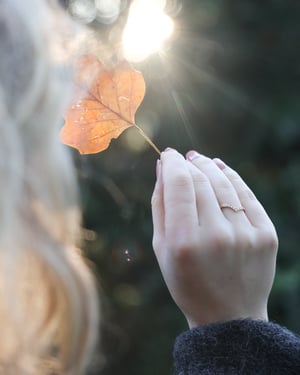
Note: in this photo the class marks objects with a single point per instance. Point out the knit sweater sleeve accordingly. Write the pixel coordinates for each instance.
(237, 347)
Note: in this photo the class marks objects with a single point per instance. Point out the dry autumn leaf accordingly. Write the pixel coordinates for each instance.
(106, 104)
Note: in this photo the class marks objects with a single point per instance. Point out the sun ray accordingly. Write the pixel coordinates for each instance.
(185, 119)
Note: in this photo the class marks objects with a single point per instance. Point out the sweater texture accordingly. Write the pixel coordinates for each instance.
(237, 347)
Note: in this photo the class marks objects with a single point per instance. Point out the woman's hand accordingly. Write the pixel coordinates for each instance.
(218, 262)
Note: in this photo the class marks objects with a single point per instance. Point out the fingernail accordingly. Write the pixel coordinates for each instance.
(158, 168)
(219, 163)
(191, 155)
(169, 149)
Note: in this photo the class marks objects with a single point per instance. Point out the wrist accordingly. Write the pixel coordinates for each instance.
(196, 322)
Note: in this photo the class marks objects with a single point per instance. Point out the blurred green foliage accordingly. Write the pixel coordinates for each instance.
(228, 86)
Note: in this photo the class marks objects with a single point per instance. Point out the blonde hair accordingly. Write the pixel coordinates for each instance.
(48, 299)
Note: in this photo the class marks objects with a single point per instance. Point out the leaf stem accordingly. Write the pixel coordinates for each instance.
(145, 136)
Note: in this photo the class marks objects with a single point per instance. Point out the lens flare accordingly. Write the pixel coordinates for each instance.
(146, 30)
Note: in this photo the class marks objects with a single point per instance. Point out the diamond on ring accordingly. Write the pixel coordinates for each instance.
(235, 209)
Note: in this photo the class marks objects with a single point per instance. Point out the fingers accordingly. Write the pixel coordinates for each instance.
(189, 194)
(207, 204)
(179, 197)
(224, 191)
(253, 208)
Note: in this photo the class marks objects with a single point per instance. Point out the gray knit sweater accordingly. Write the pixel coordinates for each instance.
(237, 347)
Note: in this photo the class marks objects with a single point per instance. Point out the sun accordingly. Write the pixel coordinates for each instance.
(147, 27)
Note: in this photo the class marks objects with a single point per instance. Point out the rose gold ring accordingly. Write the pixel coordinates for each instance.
(235, 209)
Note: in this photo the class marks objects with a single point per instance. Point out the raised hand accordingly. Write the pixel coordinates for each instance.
(213, 240)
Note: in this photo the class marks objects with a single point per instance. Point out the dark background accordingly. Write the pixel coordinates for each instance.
(228, 86)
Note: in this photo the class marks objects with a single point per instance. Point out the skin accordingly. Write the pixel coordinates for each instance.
(218, 264)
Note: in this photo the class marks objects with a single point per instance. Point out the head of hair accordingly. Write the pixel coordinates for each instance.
(48, 298)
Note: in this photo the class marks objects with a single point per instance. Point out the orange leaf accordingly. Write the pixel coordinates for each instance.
(107, 101)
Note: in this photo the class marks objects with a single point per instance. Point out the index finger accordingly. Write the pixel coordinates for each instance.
(178, 192)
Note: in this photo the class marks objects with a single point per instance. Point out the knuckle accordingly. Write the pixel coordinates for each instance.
(268, 240)
(181, 180)
(200, 178)
(245, 240)
(221, 238)
(182, 244)
(183, 253)
(247, 194)
(234, 177)
(223, 185)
